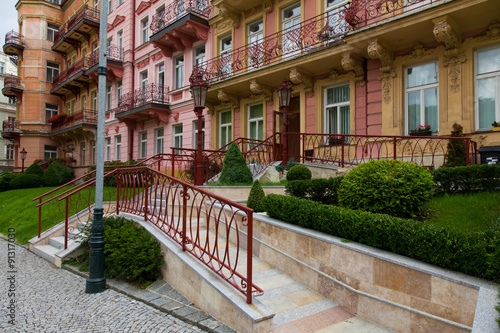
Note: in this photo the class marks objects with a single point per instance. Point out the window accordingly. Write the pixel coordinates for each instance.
(337, 110)
(225, 128)
(255, 34)
(226, 45)
(160, 69)
(119, 37)
(84, 102)
(70, 107)
(82, 152)
(50, 111)
(108, 98)
(334, 3)
(290, 19)
(177, 129)
(487, 87)
(52, 30)
(93, 96)
(120, 2)
(195, 134)
(96, 5)
(143, 144)
(256, 121)
(49, 152)
(421, 102)
(108, 149)
(94, 47)
(179, 72)
(93, 151)
(110, 6)
(118, 147)
(159, 141)
(52, 71)
(144, 79)
(118, 92)
(9, 152)
(144, 30)
(199, 55)
(12, 100)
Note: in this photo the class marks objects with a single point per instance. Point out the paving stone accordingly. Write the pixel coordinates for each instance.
(184, 311)
(172, 305)
(197, 316)
(156, 285)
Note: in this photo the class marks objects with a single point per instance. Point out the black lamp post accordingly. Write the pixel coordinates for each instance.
(284, 95)
(23, 157)
(199, 90)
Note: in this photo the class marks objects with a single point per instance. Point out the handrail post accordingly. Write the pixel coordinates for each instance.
(394, 148)
(66, 225)
(173, 162)
(39, 216)
(118, 185)
(467, 150)
(146, 197)
(342, 150)
(184, 212)
(249, 257)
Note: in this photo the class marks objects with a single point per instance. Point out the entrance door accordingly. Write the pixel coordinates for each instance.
(294, 129)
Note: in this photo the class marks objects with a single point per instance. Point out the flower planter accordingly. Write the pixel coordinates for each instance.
(495, 128)
(421, 134)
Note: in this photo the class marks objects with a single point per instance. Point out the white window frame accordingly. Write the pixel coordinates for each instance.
(118, 147)
(160, 75)
(143, 144)
(52, 30)
(92, 143)
(9, 152)
(254, 39)
(422, 88)
(82, 152)
(179, 71)
(110, 6)
(145, 30)
(159, 140)
(227, 126)
(93, 97)
(259, 121)
(195, 134)
(52, 71)
(177, 137)
(50, 110)
(49, 152)
(144, 78)
(334, 110)
(119, 38)
(226, 49)
(118, 92)
(199, 55)
(108, 148)
(108, 98)
(495, 75)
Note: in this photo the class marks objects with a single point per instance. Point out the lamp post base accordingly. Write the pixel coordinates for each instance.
(96, 282)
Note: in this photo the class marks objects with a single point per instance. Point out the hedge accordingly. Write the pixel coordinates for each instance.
(320, 189)
(467, 179)
(26, 180)
(476, 254)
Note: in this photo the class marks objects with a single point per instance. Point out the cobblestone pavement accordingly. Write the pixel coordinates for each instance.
(48, 299)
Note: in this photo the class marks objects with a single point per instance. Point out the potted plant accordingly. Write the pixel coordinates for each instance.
(421, 130)
(495, 126)
(335, 140)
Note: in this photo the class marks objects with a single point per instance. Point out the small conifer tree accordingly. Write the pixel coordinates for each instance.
(255, 197)
(456, 155)
(235, 169)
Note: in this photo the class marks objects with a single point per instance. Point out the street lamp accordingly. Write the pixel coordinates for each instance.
(23, 157)
(284, 95)
(199, 90)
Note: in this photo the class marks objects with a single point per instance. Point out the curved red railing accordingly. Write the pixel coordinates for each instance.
(13, 81)
(10, 126)
(178, 9)
(14, 37)
(85, 13)
(112, 53)
(151, 93)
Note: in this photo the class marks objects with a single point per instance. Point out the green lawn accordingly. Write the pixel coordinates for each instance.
(20, 212)
(468, 212)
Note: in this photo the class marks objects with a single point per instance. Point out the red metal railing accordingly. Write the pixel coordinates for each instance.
(113, 53)
(207, 226)
(13, 37)
(79, 66)
(80, 117)
(152, 93)
(10, 126)
(85, 13)
(178, 9)
(12, 81)
(318, 32)
(349, 150)
(362, 13)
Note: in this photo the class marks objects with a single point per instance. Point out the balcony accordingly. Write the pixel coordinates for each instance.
(10, 129)
(12, 86)
(313, 35)
(148, 102)
(114, 57)
(14, 44)
(77, 121)
(76, 30)
(72, 80)
(179, 25)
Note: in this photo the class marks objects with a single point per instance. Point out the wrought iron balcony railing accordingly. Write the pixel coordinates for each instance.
(318, 32)
(79, 117)
(178, 9)
(362, 13)
(112, 53)
(63, 76)
(13, 37)
(151, 93)
(10, 126)
(12, 81)
(84, 13)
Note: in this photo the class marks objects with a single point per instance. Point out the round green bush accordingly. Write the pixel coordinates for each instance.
(235, 169)
(390, 187)
(6, 179)
(57, 174)
(298, 172)
(26, 180)
(34, 169)
(255, 197)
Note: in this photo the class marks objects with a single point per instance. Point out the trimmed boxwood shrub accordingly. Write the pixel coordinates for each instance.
(298, 172)
(6, 179)
(57, 174)
(235, 169)
(26, 180)
(467, 179)
(255, 197)
(474, 253)
(390, 187)
(34, 169)
(321, 190)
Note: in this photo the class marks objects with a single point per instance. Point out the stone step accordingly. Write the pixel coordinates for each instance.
(47, 252)
(58, 242)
